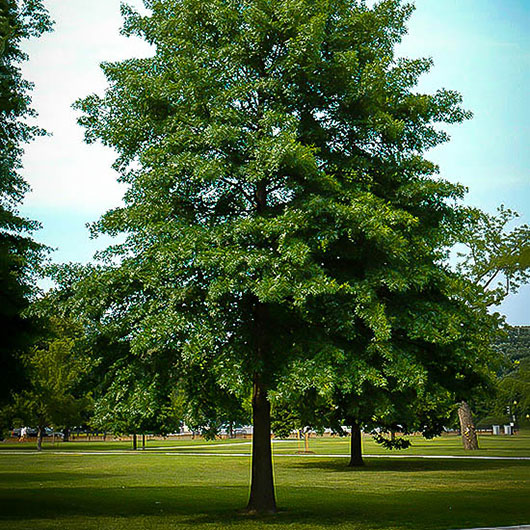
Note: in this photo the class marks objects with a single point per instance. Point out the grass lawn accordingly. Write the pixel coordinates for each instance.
(144, 490)
(518, 445)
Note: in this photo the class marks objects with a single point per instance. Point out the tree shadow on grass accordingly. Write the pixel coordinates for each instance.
(406, 465)
(315, 506)
(52, 502)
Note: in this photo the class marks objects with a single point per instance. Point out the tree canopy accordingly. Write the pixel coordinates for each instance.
(281, 221)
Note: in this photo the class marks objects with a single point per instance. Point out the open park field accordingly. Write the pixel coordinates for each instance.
(201, 485)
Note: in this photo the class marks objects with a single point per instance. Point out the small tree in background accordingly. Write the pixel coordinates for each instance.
(54, 369)
(135, 402)
(513, 397)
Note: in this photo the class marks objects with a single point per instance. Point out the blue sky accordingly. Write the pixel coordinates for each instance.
(480, 48)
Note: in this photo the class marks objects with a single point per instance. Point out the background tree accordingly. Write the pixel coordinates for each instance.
(494, 255)
(279, 209)
(132, 393)
(333, 397)
(142, 388)
(19, 254)
(54, 367)
(497, 259)
(135, 402)
(514, 346)
(513, 398)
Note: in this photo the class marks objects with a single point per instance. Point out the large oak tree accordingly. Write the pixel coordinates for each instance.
(280, 216)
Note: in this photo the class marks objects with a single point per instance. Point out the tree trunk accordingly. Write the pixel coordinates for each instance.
(262, 499)
(467, 427)
(40, 435)
(66, 434)
(143, 442)
(356, 458)
(135, 442)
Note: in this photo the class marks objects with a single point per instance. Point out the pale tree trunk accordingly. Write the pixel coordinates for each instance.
(467, 427)
(356, 457)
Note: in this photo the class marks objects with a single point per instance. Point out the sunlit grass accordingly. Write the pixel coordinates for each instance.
(517, 445)
(153, 490)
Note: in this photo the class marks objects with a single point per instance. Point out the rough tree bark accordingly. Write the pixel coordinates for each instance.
(40, 435)
(135, 442)
(262, 498)
(66, 434)
(356, 458)
(467, 427)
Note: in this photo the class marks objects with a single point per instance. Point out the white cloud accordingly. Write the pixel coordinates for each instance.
(64, 65)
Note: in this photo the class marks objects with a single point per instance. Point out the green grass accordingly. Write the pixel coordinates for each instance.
(518, 445)
(151, 490)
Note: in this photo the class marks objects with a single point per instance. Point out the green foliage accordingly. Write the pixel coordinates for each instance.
(134, 402)
(292, 412)
(284, 422)
(391, 443)
(132, 393)
(514, 392)
(495, 257)
(19, 254)
(513, 385)
(515, 345)
(55, 368)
